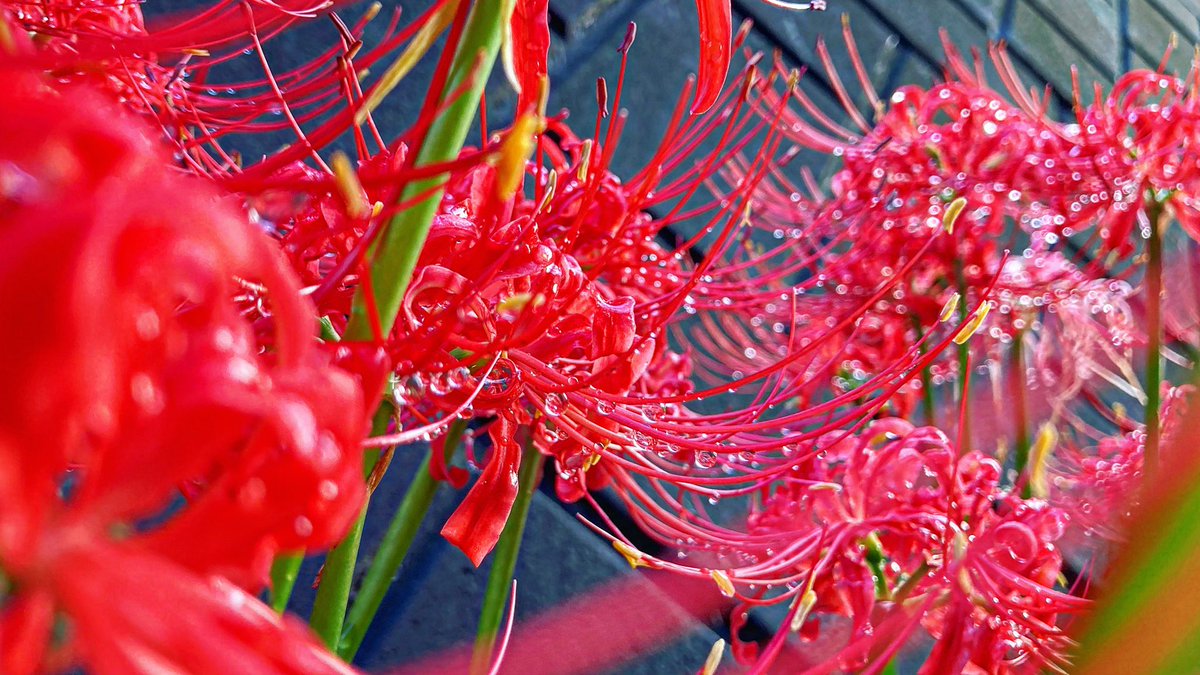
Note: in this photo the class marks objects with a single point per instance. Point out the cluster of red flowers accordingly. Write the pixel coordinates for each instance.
(176, 424)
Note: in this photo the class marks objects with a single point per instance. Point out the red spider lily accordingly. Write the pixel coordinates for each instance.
(956, 151)
(1129, 146)
(163, 71)
(548, 312)
(558, 314)
(533, 298)
(1099, 486)
(148, 381)
(896, 530)
(1080, 331)
(549, 292)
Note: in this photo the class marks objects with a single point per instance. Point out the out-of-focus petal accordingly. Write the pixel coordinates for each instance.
(132, 613)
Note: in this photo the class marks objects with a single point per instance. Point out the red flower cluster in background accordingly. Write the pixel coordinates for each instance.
(715, 329)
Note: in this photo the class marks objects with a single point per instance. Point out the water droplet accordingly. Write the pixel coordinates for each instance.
(556, 404)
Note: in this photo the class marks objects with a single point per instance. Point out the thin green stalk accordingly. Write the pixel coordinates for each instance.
(1154, 290)
(394, 255)
(504, 561)
(876, 560)
(393, 548)
(284, 571)
(1020, 412)
(286, 568)
(964, 349)
(329, 607)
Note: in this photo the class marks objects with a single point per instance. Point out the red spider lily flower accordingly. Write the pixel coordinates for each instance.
(549, 312)
(896, 530)
(1100, 485)
(163, 71)
(1080, 331)
(1129, 146)
(161, 440)
(956, 156)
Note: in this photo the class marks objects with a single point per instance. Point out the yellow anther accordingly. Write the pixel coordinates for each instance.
(348, 185)
(714, 658)
(1001, 451)
(1120, 412)
(973, 324)
(7, 43)
(793, 80)
(515, 152)
(592, 460)
(949, 307)
(832, 487)
(514, 303)
(634, 557)
(551, 188)
(935, 153)
(723, 582)
(417, 47)
(952, 212)
(1039, 454)
(543, 95)
(807, 601)
(585, 160)
(959, 544)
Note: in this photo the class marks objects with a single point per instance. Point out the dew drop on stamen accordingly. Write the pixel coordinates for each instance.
(556, 404)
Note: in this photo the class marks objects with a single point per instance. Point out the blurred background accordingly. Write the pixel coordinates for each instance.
(580, 609)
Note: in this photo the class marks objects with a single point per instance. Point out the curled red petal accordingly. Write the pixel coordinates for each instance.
(613, 329)
(530, 50)
(716, 49)
(476, 524)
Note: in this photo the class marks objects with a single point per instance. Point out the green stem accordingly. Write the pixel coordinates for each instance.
(504, 560)
(286, 568)
(394, 256)
(876, 560)
(1020, 412)
(284, 571)
(964, 350)
(329, 608)
(333, 593)
(1154, 290)
(393, 548)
